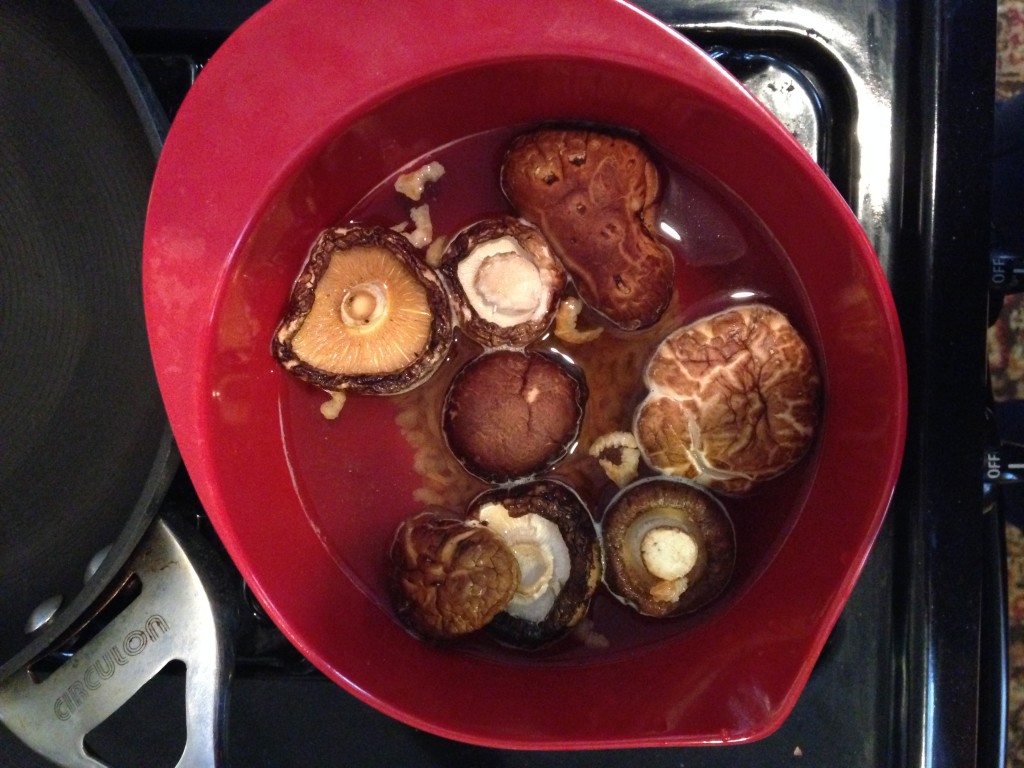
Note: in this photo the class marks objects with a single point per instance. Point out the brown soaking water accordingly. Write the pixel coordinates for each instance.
(385, 458)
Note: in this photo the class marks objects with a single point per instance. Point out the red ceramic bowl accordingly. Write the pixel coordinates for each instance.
(309, 107)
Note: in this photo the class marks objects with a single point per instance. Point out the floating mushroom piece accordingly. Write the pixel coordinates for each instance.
(449, 577)
(733, 400)
(669, 546)
(594, 195)
(548, 528)
(366, 314)
(504, 283)
(511, 414)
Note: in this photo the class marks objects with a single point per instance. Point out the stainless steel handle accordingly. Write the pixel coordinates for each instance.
(176, 616)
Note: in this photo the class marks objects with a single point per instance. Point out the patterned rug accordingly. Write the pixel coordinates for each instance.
(1006, 362)
(1015, 716)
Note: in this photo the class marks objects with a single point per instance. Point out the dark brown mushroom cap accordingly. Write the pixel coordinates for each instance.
(562, 507)
(504, 283)
(449, 578)
(366, 314)
(734, 400)
(511, 414)
(594, 196)
(631, 525)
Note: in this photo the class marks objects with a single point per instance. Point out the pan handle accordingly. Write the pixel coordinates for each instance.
(177, 615)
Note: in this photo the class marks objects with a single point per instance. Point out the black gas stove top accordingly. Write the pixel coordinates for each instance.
(894, 100)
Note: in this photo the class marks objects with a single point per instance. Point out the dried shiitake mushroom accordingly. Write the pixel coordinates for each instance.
(733, 401)
(504, 283)
(366, 314)
(449, 577)
(669, 547)
(548, 528)
(594, 195)
(510, 414)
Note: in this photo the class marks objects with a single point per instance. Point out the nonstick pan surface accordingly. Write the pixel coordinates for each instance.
(85, 452)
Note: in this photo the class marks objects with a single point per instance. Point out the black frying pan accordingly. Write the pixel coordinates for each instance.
(85, 451)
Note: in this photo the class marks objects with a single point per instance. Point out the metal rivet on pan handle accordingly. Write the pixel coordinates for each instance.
(178, 615)
(96, 562)
(43, 613)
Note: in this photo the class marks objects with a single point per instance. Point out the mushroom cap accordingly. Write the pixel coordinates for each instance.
(366, 314)
(510, 414)
(449, 577)
(543, 515)
(733, 400)
(594, 196)
(669, 546)
(503, 281)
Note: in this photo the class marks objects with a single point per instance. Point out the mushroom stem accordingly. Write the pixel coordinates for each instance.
(668, 552)
(502, 282)
(363, 304)
(509, 283)
(536, 566)
(706, 472)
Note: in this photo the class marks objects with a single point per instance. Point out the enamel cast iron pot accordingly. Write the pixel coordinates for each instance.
(255, 167)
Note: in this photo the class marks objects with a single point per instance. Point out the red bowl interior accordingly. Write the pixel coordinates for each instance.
(255, 167)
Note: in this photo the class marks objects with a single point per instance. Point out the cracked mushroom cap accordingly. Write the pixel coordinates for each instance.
(366, 314)
(594, 195)
(449, 577)
(549, 529)
(510, 414)
(733, 400)
(669, 547)
(504, 283)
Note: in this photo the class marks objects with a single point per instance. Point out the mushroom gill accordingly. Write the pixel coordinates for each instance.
(365, 314)
(504, 282)
(549, 530)
(669, 546)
